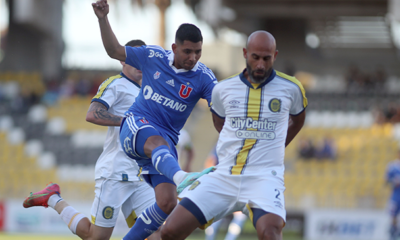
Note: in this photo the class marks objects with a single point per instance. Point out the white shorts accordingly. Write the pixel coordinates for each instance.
(112, 195)
(218, 195)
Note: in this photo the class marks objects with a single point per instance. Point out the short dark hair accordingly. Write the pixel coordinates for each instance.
(135, 43)
(188, 32)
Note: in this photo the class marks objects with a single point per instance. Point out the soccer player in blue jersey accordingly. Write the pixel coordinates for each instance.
(393, 178)
(172, 83)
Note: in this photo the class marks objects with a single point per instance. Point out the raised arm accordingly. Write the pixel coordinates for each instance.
(110, 42)
(99, 115)
(295, 125)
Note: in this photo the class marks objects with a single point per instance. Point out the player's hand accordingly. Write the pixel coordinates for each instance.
(101, 8)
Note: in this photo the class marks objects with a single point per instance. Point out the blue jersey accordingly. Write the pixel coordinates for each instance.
(168, 95)
(393, 177)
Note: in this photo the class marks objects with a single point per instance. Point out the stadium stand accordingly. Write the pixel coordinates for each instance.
(38, 143)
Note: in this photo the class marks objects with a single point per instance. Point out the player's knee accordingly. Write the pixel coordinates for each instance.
(272, 232)
(167, 205)
(168, 233)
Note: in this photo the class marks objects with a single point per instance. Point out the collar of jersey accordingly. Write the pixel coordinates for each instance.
(171, 61)
(245, 81)
(130, 80)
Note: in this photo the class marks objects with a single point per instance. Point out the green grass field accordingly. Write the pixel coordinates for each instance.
(197, 236)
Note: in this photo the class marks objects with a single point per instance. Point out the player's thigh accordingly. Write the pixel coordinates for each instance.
(130, 128)
(269, 226)
(100, 233)
(213, 194)
(265, 193)
(142, 198)
(109, 197)
(179, 224)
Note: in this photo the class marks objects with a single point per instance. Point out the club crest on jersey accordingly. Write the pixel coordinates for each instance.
(194, 185)
(108, 212)
(275, 105)
(185, 91)
(157, 75)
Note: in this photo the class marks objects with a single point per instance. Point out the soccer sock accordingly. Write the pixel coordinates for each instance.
(71, 217)
(235, 227)
(164, 162)
(147, 223)
(212, 231)
(53, 200)
(179, 176)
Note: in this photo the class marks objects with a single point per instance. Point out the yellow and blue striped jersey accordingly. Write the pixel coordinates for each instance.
(256, 122)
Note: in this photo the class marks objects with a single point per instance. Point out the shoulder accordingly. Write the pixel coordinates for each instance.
(156, 51)
(224, 84)
(111, 81)
(228, 81)
(289, 79)
(205, 71)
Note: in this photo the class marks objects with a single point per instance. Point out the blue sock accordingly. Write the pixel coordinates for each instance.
(147, 223)
(164, 162)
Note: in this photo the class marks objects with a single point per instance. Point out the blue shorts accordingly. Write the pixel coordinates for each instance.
(155, 179)
(394, 207)
(128, 136)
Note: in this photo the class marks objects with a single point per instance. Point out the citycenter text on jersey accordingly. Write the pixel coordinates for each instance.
(256, 129)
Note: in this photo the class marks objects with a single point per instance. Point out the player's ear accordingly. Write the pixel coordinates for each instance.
(245, 53)
(276, 54)
(174, 46)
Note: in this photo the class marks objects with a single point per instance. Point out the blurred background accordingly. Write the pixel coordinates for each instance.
(345, 53)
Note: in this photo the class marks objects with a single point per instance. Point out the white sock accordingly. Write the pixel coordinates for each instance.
(71, 217)
(179, 176)
(53, 200)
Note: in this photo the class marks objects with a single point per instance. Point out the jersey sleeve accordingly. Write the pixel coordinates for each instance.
(217, 106)
(107, 93)
(136, 56)
(300, 101)
(210, 83)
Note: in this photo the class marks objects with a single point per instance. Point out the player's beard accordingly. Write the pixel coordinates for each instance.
(258, 78)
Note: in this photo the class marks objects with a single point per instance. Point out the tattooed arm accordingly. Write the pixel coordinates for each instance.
(99, 115)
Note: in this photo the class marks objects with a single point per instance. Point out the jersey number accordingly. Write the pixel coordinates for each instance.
(277, 195)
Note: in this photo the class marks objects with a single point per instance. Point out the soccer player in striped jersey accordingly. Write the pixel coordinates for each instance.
(173, 82)
(258, 113)
(118, 185)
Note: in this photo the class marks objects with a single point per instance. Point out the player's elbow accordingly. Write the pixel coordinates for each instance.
(90, 118)
(116, 52)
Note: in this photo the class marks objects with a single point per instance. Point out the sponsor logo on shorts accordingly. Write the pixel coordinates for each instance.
(144, 121)
(125, 177)
(108, 212)
(275, 105)
(278, 204)
(194, 185)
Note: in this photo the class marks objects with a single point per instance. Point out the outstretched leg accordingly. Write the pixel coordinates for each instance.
(76, 222)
